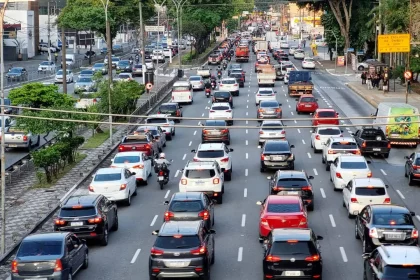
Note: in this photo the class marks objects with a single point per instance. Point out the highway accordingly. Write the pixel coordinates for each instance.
(238, 251)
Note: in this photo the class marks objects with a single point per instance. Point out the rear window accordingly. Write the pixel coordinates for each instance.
(353, 165)
(274, 126)
(107, 177)
(329, 131)
(195, 78)
(228, 82)
(276, 147)
(135, 140)
(222, 108)
(394, 219)
(269, 104)
(181, 242)
(326, 114)
(200, 174)
(307, 99)
(344, 145)
(375, 191)
(156, 120)
(371, 134)
(293, 248)
(292, 182)
(186, 206)
(210, 154)
(399, 272)
(214, 55)
(265, 92)
(236, 76)
(124, 76)
(77, 212)
(167, 108)
(283, 208)
(222, 94)
(40, 248)
(181, 88)
(127, 159)
(84, 80)
(215, 123)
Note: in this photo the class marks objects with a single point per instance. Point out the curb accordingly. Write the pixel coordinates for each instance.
(338, 75)
(359, 93)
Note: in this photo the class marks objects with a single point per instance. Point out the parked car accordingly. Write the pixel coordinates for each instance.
(17, 74)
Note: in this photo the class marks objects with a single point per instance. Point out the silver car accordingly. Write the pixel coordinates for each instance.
(269, 109)
(271, 130)
(100, 67)
(84, 84)
(158, 135)
(197, 82)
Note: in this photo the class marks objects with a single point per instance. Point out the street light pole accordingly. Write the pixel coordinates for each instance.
(49, 33)
(158, 36)
(143, 65)
(178, 6)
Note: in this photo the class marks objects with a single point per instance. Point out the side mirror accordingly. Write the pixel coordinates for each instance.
(412, 214)
(341, 131)
(387, 186)
(155, 232)
(305, 203)
(230, 150)
(406, 157)
(275, 92)
(193, 151)
(319, 237)
(280, 104)
(337, 114)
(311, 177)
(212, 231)
(368, 162)
(292, 146)
(259, 203)
(133, 173)
(366, 255)
(166, 202)
(269, 178)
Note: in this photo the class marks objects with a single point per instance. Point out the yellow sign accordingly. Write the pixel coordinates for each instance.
(394, 43)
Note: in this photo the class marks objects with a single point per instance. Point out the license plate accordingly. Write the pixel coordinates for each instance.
(293, 193)
(394, 236)
(161, 178)
(215, 133)
(308, 106)
(12, 146)
(292, 273)
(377, 149)
(272, 134)
(199, 182)
(176, 264)
(35, 279)
(76, 224)
(277, 158)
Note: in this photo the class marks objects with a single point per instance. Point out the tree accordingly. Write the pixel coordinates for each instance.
(232, 24)
(196, 30)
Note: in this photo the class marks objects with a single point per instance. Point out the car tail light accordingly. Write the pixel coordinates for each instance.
(140, 166)
(357, 152)
(330, 152)
(264, 222)
(59, 222)
(216, 181)
(261, 132)
(121, 148)
(96, 220)
(338, 175)
(415, 167)
(211, 111)
(189, 97)
(156, 252)
(147, 146)
(228, 111)
(303, 222)
(178, 113)
(173, 97)
(414, 233)
(271, 258)
(261, 110)
(278, 110)
(14, 267)
(123, 187)
(158, 113)
(389, 146)
(307, 188)
(258, 94)
(235, 85)
(369, 175)
(205, 131)
(204, 214)
(225, 131)
(58, 266)
(364, 144)
(373, 233)
(263, 157)
(91, 189)
(387, 200)
(168, 215)
(200, 251)
(220, 85)
(317, 137)
(183, 181)
(314, 258)
(353, 200)
(25, 138)
(226, 159)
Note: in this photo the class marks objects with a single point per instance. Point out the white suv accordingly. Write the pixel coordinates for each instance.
(264, 94)
(218, 152)
(164, 123)
(347, 167)
(336, 146)
(321, 134)
(231, 85)
(203, 176)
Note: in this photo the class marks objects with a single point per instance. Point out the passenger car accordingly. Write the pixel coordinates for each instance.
(218, 152)
(221, 111)
(140, 142)
(157, 133)
(308, 63)
(372, 140)
(47, 66)
(299, 54)
(271, 130)
(59, 76)
(360, 192)
(265, 94)
(212, 132)
(336, 146)
(321, 134)
(307, 103)
(172, 109)
(100, 67)
(136, 162)
(124, 66)
(116, 184)
(124, 77)
(182, 249)
(239, 71)
(137, 70)
(269, 109)
(277, 154)
(281, 212)
(412, 168)
(84, 84)
(346, 167)
(196, 82)
(17, 74)
(164, 123)
(239, 77)
(385, 224)
(233, 66)
(190, 206)
(61, 255)
(222, 96)
(325, 116)
(292, 253)
(229, 84)
(88, 216)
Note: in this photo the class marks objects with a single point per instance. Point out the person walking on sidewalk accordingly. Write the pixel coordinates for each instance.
(409, 86)
(304, 43)
(56, 57)
(369, 81)
(363, 76)
(330, 52)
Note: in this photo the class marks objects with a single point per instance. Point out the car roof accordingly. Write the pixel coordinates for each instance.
(277, 141)
(211, 146)
(129, 154)
(221, 91)
(236, 69)
(220, 104)
(328, 127)
(352, 158)
(109, 170)
(180, 227)
(82, 200)
(285, 234)
(169, 103)
(363, 182)
(269, 101)
(342, 139)
(283, 199)
(265, 88)
(185, 196)
(387, 208)
(181, 83)
(228, 79)
(195, 76)
(325, 110)
(400, 254)
(50, 236)
(200, 164)
(269, 122)
(158, 116)
(291, 173)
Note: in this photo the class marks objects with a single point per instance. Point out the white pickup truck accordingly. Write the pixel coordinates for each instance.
(158, 56)
(204, 72)
(16, 137)
(266, 76)
(85, 103)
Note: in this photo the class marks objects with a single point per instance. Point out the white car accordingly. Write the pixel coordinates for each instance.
(167, 125)
(299, 54)
(116, 184)
(196, 82)
(137, 162)
(284, 45)
(231, 85)
(361, 66)
(261, 54)
(221, 111)
(149, 64)
(47, 66)
(308, 63)
(167, 53)
(59, 77)
(264, 94)
(320, 42)
(286, 78)
(336, 146)
(321, 134)
(203, 176)
(124, 77)
(361, 192)
(292, 50)
(271, 130)
(347, 167)
(218, 152)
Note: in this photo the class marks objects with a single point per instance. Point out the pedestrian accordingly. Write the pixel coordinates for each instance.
(369, 81)
(409, 86)
(363, 76)
(330, 52)
(304, 43)
(56, 57)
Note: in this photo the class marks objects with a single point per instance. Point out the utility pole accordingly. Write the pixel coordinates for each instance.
(49, 33)
(143, 63)
(63, 59)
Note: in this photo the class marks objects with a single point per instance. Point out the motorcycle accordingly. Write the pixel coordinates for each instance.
(208, 92)
(219, 75)
(213, 85)
(162, 174)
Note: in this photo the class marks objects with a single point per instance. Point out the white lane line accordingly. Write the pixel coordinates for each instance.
(154, 220)
(246, 172)
(240, 251)
(243, 220)
(246, 131)
(247, 100)
(303, 141)
(245, 192)
(284, 94)
(315, 172)
(351, 132)
(246, 113)
(295, 121)
(248, 95)
(202, 114)
(418, 217)
(323, 193)
(195, 132)
(309, 155)
(332, 220)
(348, 128)
(246, 142)
(185, 155)
(400, 194)
(343, 254)
(291, 113)
(287, 100)
(290, 106)
(208, 101)
(383, 172)
(247, 106)
(190, 143)
(329, 106)
(246, 122)
(167, 193)
(199, 123)
(136, 254)
(246, 155)
(298, 130)
(176, 173)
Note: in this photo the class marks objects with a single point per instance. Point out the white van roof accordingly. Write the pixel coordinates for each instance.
(181, 83)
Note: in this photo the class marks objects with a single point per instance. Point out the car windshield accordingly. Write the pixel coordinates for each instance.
(293, 248)
(15, 70)
(40, 248)
(210, 154)
(399, 219)
(156, 120)
(222, 94)
(77, 212)
(220, 108)
(292, 182)
(214, 55)
(276, 147)
(186, 206)
(344, 145)
(329, 131)
(115, 59)
(235, 66)
(400, 272)
(177, 242)
(124, 76)
(265, 92)
(45, 63)
(326, 114)
(84, 80)
(236, 76)
(283, 208)
(309, 60)
(269, 104)
(98, 65)
(127, 159)
(371, 134)
(200, 174)
(276, 126)
(86, 72)
(354, 165)
(167, 108)
(228, 82)
(123, 62)
(307, 99)
(370, 191)
(107, 177)
(195, 78)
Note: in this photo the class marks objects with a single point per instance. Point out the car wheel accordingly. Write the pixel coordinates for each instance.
(327, 167)
(173, 133)
(164, 144)
(228, 175)
(115, 226)
(405, 172)
(410, 180)
(212, 254)
(227, 142)
(128, 200)
(365, 247)
(135, 192)
(361, 68)
(220, 199)
(386, 155)
(323, 159)
(262, 169)
(160, 150)
(29, 146)
(311, 207)
(169, 137)
(86, 261)
(152, 278)
(349, 215)
(104, 240)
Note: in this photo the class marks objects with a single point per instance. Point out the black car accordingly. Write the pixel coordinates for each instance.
(222, 96)
(17, 74)
(277, 154)
(172, 109)
(385, 224)
(233, 66)
(88, 216)
(190, 206)
(239, 77)
(215, 131)
(293, 183)
(9, 110)
(124, 66)
(182, 249)
(292, 253)
(412, 168)
(52, 256)
(282, 57)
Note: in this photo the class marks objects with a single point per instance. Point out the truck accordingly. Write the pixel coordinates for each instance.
(300, 82)
(266, 75)
(399, 121)
(372, 140)
(260, 46)
(204, 72)
(17, 137)
(84, 103)
(139, 143)
(242, 54)
(271, 36)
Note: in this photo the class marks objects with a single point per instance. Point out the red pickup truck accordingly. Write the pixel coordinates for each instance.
(142, 143)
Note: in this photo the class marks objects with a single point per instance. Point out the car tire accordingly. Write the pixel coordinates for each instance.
(228, 176)
(135, 192)
(310, 207)
(164, 145)
(327, 167)
(386, 155)
(262, 169)
(220, 199)
(405, 172)
(361, 68)
(350, 216)
(86, 261)
(365, 247)
(128, 200)
(292, 166)
(169, 137)
(410, 180)
(212, 255)
(152, 278)
(226, 143)
(115, 226)
(104, 239)
(29, 146)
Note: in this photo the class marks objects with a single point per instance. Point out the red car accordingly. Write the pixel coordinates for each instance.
(307, 103)
(325, 116)
(283, 211)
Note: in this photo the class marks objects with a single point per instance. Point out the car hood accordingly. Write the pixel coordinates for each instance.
(13, 74)
(84, 84)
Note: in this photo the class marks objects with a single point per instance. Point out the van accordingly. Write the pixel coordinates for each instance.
(70, 59)
(182, 92)
(401, 127)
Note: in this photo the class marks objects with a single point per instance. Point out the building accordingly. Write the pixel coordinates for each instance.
(305, 20)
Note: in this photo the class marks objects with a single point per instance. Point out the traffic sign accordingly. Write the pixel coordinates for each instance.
(149, 86)
(408, 75)
(394, 43)
(153, 28)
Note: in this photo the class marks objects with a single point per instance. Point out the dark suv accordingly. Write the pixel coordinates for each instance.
(172, 109)
(293, 183)
(412, 168)
(277, 154)
(385, 224)
(182, 249)
(190, 206)
(222, 96)
(88, 216)
(239, 77)
(215, 131)
(292, 253)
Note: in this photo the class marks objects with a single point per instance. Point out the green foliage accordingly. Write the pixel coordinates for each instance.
(47, 159)
(394, 14)
(232, 24)
(95, 108)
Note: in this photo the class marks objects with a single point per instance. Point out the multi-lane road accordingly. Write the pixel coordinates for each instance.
(238, 252)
